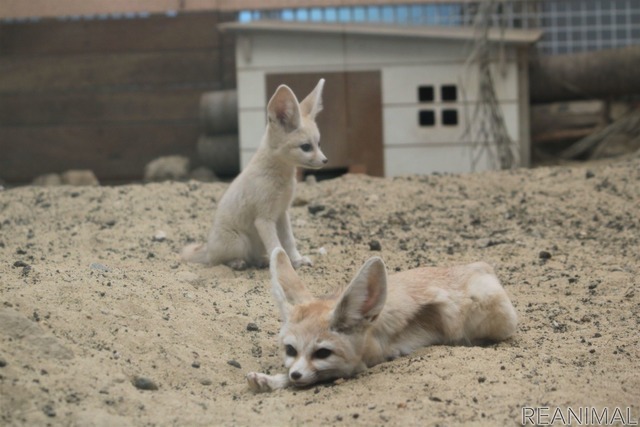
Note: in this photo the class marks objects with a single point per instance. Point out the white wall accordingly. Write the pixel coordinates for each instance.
(405, 64)
(454, 158)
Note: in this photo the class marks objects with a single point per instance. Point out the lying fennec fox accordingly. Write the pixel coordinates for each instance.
(252, 218)
(368, 322)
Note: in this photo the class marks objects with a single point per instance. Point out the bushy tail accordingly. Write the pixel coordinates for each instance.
(196, 252)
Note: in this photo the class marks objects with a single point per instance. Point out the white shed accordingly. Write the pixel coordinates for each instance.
(397, 99)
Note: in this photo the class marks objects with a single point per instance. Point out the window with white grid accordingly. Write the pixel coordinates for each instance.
(568, 25)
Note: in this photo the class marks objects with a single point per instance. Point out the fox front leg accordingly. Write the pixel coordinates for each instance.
(262, 382)
(289, 242)
(268, 234)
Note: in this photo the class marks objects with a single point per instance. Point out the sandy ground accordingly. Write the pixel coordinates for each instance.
(90, 302)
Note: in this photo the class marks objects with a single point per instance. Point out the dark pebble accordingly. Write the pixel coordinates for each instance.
(26, 270)
(21, 251)
(544, 255)
(589, 174)
(195, 364)
(20, 264)
(314, 209)
(252, 327)
(375, 245)
(3, 363)
(143, 383)
(435, 399)
(481, 379)
(49, 411)
(234, 363)
(331, 214)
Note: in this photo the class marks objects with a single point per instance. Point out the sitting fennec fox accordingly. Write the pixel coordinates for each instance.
(367, 323)
(252, 218)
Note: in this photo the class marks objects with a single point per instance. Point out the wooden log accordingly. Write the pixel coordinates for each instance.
(567, 115)
(566, 121)
(601, 74)
(219, 112)
(220, 153)
(562, 135)
(623, 133)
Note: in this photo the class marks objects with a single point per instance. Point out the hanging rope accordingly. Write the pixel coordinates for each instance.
(486, 128)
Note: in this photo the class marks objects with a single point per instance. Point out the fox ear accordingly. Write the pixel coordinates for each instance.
(312, 104)
(363, 299)
(286, 287)
(283, 109)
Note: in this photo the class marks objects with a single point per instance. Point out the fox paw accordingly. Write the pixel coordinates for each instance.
(262, 382)
(258, 382)
(302, 261)
(263, 263)
(237, 264)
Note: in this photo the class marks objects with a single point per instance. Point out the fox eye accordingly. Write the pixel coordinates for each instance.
(322, 353)
(306, 147)
(291, 352)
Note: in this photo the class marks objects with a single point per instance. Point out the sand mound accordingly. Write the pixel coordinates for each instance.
(96, 310)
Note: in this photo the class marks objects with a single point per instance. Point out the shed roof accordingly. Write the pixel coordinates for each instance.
(511, 36)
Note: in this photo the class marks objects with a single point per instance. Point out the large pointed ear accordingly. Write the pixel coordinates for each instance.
(286, 287)
(312, 104)
(363, 299)
(283, 109)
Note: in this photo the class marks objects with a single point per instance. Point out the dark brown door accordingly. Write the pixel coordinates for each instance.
(351, 120)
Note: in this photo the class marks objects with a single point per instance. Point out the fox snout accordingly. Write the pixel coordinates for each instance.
(301, 373)
(315, 162)
(300, 380)
(322, 159)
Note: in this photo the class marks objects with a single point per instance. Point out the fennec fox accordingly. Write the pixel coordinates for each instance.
(368, 322)
(252, 218)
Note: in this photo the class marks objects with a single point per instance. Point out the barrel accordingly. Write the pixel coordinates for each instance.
(221, 153)
(219, 112)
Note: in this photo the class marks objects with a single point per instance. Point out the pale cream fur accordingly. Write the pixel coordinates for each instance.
(378, 318)
(252, 217)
